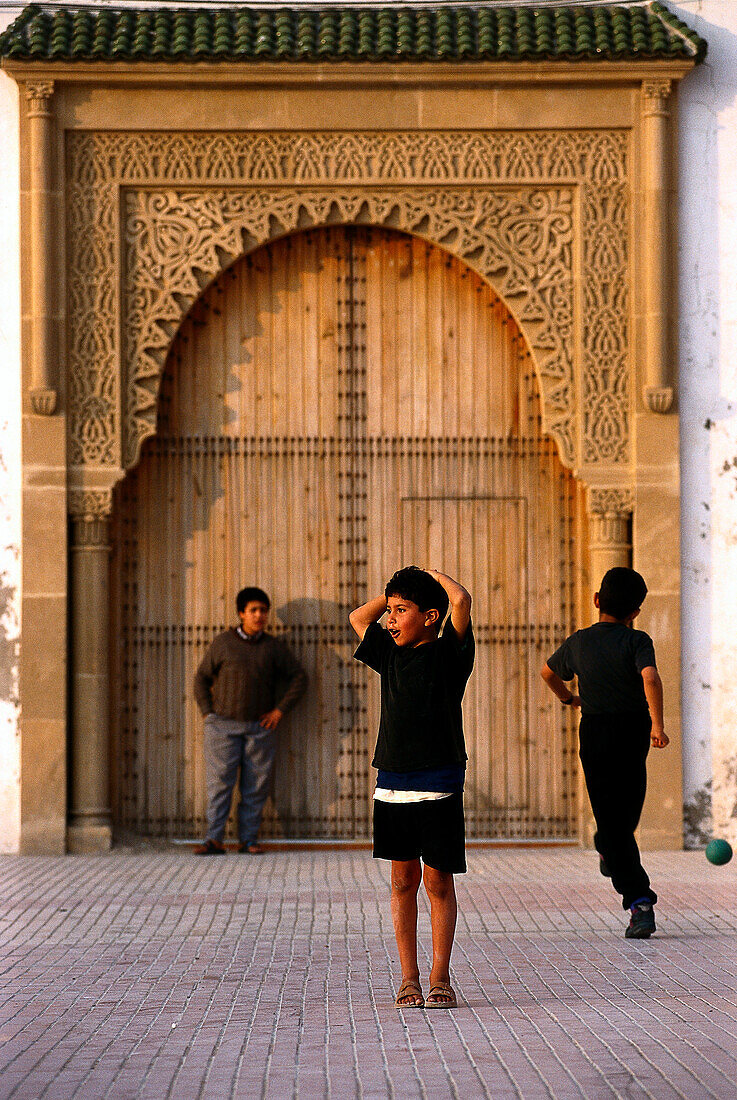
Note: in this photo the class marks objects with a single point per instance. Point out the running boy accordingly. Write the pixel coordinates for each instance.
(421, 759)
(621, 701)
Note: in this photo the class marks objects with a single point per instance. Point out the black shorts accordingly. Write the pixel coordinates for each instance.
(432, 831)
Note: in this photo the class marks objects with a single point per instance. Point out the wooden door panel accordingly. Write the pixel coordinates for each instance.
(338, 404)
(483, 542)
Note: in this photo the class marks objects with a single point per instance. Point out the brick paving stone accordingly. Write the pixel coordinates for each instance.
(163, 976)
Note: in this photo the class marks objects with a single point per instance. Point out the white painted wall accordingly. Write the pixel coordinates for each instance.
(9, 458)
(708, 402)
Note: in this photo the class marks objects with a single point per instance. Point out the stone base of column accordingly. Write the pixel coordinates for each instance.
(86, 839)
(43, 838)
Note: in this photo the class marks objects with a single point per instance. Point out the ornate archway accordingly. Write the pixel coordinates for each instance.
(540, 216)
(537, 214)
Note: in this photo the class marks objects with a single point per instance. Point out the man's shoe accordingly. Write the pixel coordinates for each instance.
(642, 921)
(253, 849)
(603, 869)
(210, 847)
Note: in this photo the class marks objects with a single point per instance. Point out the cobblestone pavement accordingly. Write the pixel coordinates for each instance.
(162, 975)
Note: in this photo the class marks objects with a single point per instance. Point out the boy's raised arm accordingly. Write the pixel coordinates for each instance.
(460, 601)
(367, 613)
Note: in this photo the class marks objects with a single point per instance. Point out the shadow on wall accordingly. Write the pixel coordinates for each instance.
(330, 718)
(708, 427)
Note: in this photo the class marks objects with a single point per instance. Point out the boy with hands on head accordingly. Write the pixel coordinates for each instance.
(421, 759)
(621, 701)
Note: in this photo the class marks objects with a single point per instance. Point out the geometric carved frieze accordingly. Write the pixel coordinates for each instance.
(190, 204)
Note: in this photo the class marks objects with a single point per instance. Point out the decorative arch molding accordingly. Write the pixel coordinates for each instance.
(520, 239)
(154, 217)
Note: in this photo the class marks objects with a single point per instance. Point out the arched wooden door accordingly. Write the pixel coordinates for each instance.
(338, 404)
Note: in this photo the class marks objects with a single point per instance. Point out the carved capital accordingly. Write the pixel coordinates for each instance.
(610, 510)
(38, 95)
(90, 504)
(90, 532)
(658, 399)
(43, 402)
(611, 501)
(655, 95)
(609, 532)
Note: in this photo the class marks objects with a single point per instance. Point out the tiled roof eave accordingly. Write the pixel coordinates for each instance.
(331, 34)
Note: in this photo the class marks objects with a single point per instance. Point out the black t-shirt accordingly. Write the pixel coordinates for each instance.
(422, 687)
(608, 659)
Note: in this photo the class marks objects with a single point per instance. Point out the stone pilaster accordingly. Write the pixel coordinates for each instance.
(90, 818)
(610, 516)
(44, 381)
(658, 388)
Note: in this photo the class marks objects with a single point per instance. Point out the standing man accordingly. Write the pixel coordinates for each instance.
(245, 684)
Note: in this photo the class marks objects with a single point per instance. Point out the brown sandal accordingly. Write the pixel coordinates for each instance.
(445, 989)
(409, 988)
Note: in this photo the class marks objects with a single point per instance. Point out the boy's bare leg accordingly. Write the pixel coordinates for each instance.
(443, 912)
(406, 878)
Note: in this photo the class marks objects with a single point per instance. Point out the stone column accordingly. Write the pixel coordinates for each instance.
(43, 390)
(90, 819)
(657, 391)
(610, 514)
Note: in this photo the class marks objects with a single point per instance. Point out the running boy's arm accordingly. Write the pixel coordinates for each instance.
(459, 599)
(558, 687)
(368, 613)
(654, 694)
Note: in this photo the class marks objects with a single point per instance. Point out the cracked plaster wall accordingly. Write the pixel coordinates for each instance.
(708, 402)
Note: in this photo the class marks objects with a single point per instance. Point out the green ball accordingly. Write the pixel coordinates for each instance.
(719, 852)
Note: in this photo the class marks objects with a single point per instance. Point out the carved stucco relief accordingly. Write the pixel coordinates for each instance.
(153, 218)
(611, 501)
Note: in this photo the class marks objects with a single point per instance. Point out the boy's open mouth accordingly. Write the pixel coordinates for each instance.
(394, 633)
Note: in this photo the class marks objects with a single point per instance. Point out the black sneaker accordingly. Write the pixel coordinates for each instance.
(603, 869)
(642, 921)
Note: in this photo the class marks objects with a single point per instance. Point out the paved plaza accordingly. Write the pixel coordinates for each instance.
(161, 975)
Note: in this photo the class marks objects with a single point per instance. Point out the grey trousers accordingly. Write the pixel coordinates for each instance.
(232, 746)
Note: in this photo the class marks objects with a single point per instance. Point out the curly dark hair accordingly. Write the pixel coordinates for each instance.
(413, 583)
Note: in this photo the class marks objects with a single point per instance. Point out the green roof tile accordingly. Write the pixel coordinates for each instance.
(331, 33)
